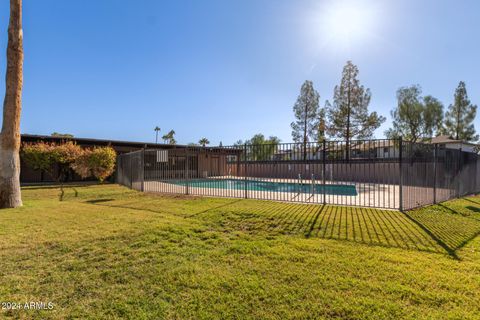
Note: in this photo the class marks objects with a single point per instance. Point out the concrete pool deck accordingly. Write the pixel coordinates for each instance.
(376, 195)
(368, 194)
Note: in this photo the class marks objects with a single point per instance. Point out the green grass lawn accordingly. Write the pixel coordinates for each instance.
(110, 252)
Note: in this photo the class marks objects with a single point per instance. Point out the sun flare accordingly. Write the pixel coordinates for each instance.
(347, 23)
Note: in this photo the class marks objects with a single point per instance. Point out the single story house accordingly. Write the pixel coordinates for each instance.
(447, 142)
(202, 160)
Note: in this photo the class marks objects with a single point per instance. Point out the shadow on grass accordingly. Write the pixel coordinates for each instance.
(439, 241)
(214, 208)
(443, 230)
(104, 203)
(361, 225)
(138, 205)
(99, 201)
(473, 209)
(57, 186)
(314, 221)
(470, 199)
(451, 229)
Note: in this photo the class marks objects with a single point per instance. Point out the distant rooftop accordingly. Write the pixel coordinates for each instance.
(125, 145)
(443, 139)
(90, 141)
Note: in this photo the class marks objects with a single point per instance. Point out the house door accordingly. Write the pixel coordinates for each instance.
(215, 166)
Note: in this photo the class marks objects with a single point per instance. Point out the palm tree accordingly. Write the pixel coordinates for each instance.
(203, 142)
(169, 137)
(10, 196)
(165, 138)
(157, 129)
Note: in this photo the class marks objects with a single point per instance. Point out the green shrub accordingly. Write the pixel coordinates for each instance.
(97, 162)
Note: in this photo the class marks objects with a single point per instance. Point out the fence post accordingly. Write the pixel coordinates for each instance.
(400, 182)
(238, 164)
(459, 171)
(142, 186)
(324, 165)
(245, 170)
(186, 172)
(116, 170)
(130, 173)
(435, 155)
(477, 189)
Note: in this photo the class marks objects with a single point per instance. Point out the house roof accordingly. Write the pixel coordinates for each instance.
(87, 141)
(341, 146)
(114, 143)
(445, 139)
(379, 144)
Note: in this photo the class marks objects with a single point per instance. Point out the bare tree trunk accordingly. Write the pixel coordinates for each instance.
(10, 196)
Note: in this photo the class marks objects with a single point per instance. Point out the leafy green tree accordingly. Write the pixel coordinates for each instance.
(460, 116)
(47, 156)
(432, 116)
(260, 149)
(306, 115)
(238, 143)
(39, 156)
(415, 117)
(348, 115)
(98, 162)
(62, 135)
(44, 156)
(204, 142)
(407, 116)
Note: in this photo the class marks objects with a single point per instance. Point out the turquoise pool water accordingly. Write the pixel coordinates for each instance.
(256, 185)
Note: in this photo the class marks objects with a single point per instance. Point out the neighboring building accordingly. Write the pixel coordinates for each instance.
(374, 149)
(386, 149)
(282, 155)
(447, 142)
(119, 146)
(209, 159)
(389, 149)
(371, 149)
(28, 175)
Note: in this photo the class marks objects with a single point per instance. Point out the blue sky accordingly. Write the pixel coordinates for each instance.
(227, 69)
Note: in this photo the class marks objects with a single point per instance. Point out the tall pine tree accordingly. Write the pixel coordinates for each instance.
(460, 116)
(305, 126)
(348, 115)
(321, 125)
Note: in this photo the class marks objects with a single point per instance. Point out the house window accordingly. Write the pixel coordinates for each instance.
(162, 155)
(385, 150)
(231, 158)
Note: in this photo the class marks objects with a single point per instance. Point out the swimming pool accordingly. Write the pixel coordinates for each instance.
(256, 185)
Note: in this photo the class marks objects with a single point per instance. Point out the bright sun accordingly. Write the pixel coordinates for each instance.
(347, 22)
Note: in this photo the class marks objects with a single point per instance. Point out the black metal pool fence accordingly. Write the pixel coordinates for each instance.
(391, 174)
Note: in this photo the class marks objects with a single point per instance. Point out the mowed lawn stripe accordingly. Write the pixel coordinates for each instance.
(108, 252)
